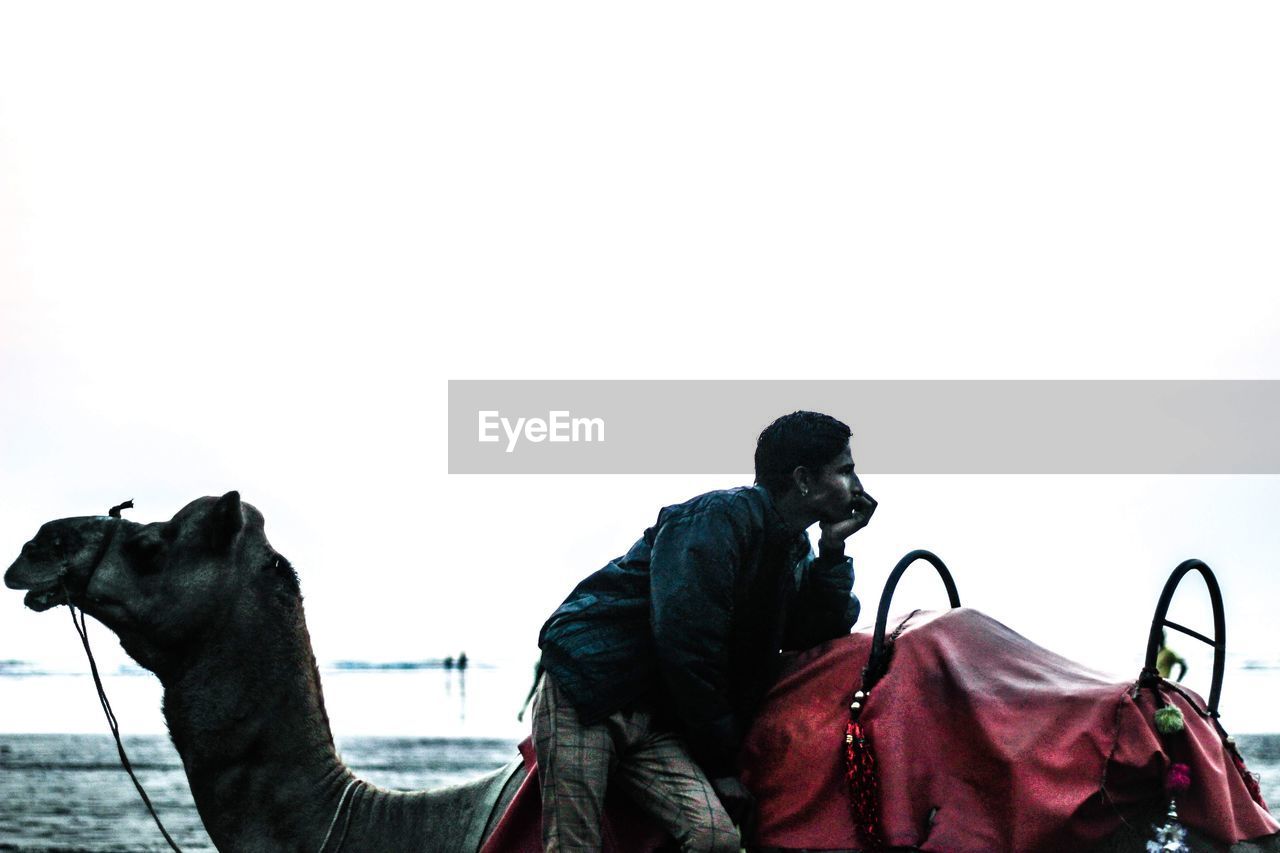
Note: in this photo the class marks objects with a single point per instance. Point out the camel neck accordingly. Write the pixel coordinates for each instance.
(248, 719)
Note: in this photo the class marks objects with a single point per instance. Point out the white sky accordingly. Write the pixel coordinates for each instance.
(246, 246)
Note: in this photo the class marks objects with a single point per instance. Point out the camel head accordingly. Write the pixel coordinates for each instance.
(163, 587)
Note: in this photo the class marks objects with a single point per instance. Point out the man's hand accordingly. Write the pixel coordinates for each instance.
(831, 541)
(738, 802)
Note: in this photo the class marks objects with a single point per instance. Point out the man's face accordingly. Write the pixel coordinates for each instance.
(833, 488)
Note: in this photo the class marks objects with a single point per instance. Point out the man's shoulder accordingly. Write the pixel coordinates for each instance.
(740, 505)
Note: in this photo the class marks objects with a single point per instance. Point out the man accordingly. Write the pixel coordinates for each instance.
(1167, 659)
(655, 665)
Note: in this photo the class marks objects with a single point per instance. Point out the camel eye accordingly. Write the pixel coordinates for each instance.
(49, 545)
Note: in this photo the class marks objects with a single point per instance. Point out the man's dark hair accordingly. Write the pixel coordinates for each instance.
(810, 439)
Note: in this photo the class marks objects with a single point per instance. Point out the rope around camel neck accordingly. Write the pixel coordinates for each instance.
(336, 813)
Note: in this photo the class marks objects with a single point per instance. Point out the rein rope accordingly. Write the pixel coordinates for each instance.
(83, 631)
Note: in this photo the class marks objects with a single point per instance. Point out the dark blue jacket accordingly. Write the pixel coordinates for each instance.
(694, 616)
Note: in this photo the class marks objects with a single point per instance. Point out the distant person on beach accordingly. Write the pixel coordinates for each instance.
(1167, 658)
(654, 665)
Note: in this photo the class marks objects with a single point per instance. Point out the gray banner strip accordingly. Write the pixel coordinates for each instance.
(899, 427)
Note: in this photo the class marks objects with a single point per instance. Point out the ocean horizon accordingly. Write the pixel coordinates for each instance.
(429, 698)
(362, 698)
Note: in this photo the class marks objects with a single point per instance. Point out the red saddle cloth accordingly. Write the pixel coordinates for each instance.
(1003, 742)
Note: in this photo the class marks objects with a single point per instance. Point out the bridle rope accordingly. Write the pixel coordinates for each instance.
(82, 630)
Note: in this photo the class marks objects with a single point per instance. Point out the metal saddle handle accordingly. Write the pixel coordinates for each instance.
(878, 662)
(1160, 620)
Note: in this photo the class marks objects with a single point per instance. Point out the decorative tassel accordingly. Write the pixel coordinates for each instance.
(864, 789)
(1169, 720)
(1178, 779)
(1171, 836)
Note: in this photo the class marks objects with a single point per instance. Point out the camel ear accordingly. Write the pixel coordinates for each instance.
(226, 520)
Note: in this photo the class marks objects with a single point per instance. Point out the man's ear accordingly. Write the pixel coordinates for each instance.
(226, 520)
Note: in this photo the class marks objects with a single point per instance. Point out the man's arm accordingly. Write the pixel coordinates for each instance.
(693, 571)
(825, 606)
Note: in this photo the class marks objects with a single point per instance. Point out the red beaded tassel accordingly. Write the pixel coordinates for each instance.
(860, 773)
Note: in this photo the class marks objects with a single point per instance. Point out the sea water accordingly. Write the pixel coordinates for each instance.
(68, 792)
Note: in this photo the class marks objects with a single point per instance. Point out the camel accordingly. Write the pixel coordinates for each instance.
(205, 603)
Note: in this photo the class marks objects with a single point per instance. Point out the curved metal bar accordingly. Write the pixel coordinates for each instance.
(1219, 642)
(878, 663)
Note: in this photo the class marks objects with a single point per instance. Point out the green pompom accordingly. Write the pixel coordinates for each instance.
(1168, 720)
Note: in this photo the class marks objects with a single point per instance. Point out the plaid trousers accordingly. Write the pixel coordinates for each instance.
(576, 763)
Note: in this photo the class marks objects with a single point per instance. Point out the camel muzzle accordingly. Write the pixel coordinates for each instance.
(59, 563)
